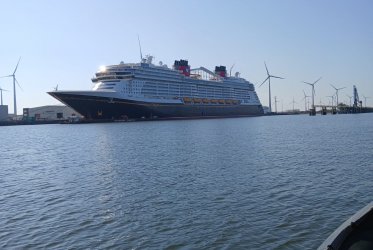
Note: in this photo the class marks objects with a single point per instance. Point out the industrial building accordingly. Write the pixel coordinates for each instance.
(3, 112)
(50, 113)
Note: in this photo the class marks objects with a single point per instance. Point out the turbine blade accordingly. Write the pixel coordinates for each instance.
(304, 93)
(17, 66)
(6, 76)
(341, 88)
(266, 68)
(317, 80)
(18, 84)
(264, 81)
(333, 86)
(277, 77)
(308, 83)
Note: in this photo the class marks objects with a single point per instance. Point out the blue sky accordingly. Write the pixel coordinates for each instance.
(65, 42)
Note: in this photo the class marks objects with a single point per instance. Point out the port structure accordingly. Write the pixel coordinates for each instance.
(341, 108)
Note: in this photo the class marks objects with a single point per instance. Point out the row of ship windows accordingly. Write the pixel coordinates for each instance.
(167, 90)
(155, 73)
(191, 91)
(164, 78)
(196, 94)
(202, 91)
(200, 88)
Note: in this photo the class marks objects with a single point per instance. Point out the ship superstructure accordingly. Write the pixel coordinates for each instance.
(145, 90)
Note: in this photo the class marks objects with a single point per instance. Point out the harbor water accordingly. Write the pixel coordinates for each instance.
(273, 182)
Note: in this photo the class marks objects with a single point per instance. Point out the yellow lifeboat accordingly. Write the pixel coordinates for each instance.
(197, 100)
(187, 100)
(221, 101)
(214, 101)
(205, 100)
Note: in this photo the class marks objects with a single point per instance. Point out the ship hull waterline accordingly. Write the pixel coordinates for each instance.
(104, 108)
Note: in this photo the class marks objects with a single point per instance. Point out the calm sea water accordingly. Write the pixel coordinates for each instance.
(281, 182)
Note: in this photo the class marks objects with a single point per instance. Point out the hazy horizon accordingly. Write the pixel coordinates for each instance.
(66, 42)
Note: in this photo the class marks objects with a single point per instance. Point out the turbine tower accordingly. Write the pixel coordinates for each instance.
(269, 76)
(1, 91)
(313, 91)
(350, 99)
(14, 86)
(293, 102)
(336, 92)
(276, 104)
(365, 99)
(332, 97)
(305, 100)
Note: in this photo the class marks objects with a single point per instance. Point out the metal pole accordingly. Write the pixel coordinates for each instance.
(270, 106)
(14, 91)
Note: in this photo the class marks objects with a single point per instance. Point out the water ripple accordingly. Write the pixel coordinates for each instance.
(250, 183)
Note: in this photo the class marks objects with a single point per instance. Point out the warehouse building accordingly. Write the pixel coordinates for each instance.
(50, 113)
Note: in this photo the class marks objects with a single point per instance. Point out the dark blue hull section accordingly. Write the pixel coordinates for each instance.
(92, 107)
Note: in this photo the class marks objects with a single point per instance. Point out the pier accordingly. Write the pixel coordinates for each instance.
(341, 109)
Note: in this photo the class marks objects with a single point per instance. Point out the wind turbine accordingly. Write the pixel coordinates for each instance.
(336, 92)
(293, 102)
(276, 103)
(269, 85)
(331, 96)
(350, 99)
(305, 100)
(365, 99)
(313, 91)
(1, 91)
(14, 86)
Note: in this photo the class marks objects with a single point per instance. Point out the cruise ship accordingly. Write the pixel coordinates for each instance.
(148, 91)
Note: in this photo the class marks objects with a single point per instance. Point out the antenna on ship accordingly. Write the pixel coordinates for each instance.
(230, 70)
(138, 38)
